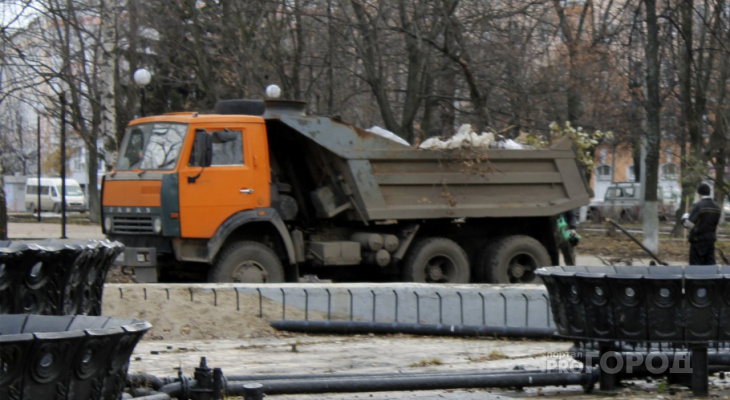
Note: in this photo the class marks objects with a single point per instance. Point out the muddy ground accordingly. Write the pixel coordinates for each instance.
(605, 241)
(248, 345)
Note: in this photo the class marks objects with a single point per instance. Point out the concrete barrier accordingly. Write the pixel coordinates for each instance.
(493, 305)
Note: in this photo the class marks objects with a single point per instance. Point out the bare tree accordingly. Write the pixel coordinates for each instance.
(701, 64)
(11, 82)
(72, 55)
(15, 140)
(652, 104)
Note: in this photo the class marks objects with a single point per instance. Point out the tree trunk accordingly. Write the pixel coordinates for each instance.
(572, 37)
(3, 207)
(652, 105)
(373, 65)
(691, 176)
(720, 139)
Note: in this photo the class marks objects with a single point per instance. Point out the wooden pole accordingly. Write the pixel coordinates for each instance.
(637, 241)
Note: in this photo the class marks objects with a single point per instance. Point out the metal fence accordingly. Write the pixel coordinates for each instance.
(54, 277)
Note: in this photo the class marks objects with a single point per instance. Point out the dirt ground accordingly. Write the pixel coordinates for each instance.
(612, 245)
(246, 344)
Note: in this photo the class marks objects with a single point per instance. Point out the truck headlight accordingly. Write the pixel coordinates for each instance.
(157, 225)
(108, 224)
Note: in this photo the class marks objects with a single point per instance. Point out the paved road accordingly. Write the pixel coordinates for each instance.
(50, 230)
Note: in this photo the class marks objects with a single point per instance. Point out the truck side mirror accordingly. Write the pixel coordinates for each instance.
(202, 152)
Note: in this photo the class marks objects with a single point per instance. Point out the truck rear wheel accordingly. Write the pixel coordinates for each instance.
(436, 260)
(248, 262)
(513, 259)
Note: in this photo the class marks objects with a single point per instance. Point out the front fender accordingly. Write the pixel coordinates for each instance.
(234, 222)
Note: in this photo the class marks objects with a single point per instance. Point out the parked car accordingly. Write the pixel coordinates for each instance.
(623, 203)
(49, 193)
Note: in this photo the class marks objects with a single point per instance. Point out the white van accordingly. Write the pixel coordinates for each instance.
(50, 195)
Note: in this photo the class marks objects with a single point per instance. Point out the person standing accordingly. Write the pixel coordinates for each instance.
(568, 237)
(702, 224)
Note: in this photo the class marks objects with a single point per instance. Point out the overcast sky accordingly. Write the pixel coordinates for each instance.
(10, 12)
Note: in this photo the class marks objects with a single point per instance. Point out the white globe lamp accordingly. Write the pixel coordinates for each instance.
(273, 91)
(142, 77)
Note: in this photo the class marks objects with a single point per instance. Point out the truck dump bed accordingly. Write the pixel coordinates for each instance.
(382, 179)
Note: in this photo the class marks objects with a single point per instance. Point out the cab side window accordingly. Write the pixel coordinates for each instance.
(227, 147)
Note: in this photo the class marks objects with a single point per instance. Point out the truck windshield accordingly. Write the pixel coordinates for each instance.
(151, 146)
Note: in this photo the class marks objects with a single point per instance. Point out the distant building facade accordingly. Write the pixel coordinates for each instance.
(615, 163)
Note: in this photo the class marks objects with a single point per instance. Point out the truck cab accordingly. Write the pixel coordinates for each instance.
(161, 188)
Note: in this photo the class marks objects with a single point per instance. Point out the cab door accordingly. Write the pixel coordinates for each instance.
(237, 180)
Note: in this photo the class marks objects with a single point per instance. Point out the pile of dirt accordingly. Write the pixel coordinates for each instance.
(223, 315)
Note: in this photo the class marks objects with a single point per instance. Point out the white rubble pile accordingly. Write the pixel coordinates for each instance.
(464, 137)
(388, 135)
(510, 145)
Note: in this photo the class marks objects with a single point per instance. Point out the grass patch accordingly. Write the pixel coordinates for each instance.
(426, 362)
(492, 356)
(496, 355)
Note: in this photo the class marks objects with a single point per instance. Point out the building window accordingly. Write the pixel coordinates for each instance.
(630, 174)
(669, 172)
(603, 172)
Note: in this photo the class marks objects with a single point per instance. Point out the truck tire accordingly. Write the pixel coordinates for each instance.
(436, 260)
(30, 208)
(512, 259)
(56, 208)
(247, 262)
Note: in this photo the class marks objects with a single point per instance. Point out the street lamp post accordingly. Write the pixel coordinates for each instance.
(142, 78)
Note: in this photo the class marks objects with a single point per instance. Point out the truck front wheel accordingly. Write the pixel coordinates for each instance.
(436, 260)
(512, 259)
(247, 262)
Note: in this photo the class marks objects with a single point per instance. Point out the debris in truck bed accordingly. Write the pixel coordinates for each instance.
(464, 137)
(388, 135)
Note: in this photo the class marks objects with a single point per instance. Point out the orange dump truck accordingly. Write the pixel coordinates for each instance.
(263, 192)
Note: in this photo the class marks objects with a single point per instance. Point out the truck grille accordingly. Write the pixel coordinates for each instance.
(132, 224)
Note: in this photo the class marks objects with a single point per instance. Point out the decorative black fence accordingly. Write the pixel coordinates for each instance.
(668, 309)
(641, 304)
(54, 277)
(65, 357)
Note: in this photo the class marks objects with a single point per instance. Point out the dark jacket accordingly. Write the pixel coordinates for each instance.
(705, 215)
(569, 217)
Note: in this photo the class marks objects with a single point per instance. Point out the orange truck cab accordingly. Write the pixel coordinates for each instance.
(261, 192)
(173, 180)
